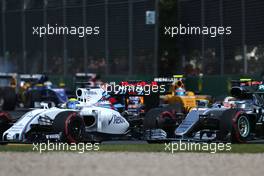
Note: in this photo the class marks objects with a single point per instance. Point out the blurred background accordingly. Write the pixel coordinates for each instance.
(132, 43)
(125, 44)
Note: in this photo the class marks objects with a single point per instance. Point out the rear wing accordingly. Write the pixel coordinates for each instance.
(245, 82)
(249, 86)
(168, 82)
(31, 77)
(8, 80)
(11, 79)
(8, 75)
(169, 79)
(85, 75)
(245, 88)
(85, 80)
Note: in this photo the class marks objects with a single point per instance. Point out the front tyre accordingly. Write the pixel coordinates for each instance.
(70, 125)
(242, 128)
(236, 123)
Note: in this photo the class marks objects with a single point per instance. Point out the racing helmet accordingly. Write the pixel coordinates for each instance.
(229, 102)
(180, 91)
(72, 103)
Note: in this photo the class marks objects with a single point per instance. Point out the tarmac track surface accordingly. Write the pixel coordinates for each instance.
(130, 164)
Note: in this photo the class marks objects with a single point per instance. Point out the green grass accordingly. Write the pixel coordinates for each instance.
(16, 148)
(247, 148)
(236, 148)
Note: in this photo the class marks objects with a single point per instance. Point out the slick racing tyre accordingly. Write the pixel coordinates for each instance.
(5, 122)
(8, 99)
(168, 119)
(70, 125)
(164, 118)
(236, 124)
(151, 118)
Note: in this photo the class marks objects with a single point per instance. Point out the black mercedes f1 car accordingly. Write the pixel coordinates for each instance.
(239, 119)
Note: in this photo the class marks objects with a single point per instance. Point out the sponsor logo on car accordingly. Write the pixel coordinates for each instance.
(116, 120)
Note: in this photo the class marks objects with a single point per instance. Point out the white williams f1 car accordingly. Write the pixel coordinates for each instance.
(90, 117)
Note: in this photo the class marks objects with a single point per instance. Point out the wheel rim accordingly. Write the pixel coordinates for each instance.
(243, 126)
(75, 129)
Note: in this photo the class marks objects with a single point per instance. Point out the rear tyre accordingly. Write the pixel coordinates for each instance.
(9, 99)
(169, 120)
(70, 125)
(163, 118)
(235, 126)
(5, 123)
(151, 119)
